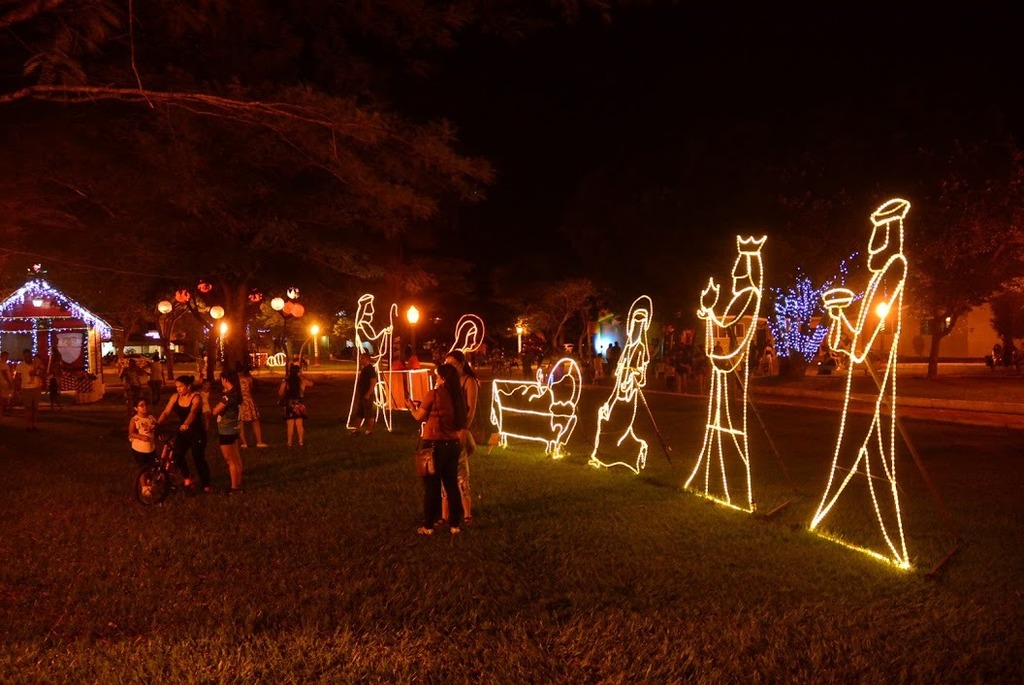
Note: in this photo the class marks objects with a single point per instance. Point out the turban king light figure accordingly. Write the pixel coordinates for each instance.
(873, 453)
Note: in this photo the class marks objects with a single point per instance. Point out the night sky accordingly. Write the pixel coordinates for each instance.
(548, 109)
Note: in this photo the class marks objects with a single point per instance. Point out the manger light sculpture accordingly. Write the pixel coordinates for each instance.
(871, 455)
(541, 411)
(380, 343)
(725, 450)
(618, 413)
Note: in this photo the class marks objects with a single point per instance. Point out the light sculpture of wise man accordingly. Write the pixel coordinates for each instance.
(725, 450)
(872, 454)
(630, 378)
(380, 343)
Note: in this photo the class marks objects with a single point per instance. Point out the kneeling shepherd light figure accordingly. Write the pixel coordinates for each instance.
(630, 379)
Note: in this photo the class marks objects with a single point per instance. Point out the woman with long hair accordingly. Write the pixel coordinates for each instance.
(228, 424)
(444, 415)
(292, 394)
(187, 407)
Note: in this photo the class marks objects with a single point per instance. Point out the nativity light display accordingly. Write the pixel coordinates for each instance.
(540, 411)
(725, 449)
(380, 348)
(871, 456)
(618, 413)
(469, 334)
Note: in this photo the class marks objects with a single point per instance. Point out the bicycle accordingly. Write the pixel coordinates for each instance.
(156, 481)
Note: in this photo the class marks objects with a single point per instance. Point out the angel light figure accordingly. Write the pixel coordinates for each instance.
(872, 455)
(630, 379)
(720, 456)
(380, 343)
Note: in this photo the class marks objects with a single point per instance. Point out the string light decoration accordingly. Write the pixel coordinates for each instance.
(541, 411)
(469, 334)
(630, 380)
(380, 342)
(725, 443)
(796, 307)
(874, 458)
(18, 314)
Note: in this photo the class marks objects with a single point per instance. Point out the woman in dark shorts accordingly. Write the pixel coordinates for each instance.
(228, 425)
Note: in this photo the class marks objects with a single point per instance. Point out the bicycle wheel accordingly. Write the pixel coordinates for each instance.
(152, 486)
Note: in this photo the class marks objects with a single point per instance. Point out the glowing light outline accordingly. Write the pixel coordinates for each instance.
(629, 383)
(279, 359)
(561, 413)
(38, 286)
(366, 333)
(469, 334)
(836, 302)
(736, 362)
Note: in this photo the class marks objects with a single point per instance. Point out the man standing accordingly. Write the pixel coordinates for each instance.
(156, 379)
(30, 373)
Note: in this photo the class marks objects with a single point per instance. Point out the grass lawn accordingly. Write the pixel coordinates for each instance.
(569, 574)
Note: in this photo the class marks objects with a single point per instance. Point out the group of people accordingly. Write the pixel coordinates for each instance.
(448, 415)
(196, 417)
(26, 380)
(133, 374)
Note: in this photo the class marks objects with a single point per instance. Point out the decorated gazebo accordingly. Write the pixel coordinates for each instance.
(41, 318)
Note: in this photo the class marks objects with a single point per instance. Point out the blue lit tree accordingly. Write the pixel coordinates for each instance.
(797, 319)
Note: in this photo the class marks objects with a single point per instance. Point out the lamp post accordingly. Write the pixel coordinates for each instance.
(277, 304)
(519, 335)
(220, 340)
(412, 315)
(315, 330)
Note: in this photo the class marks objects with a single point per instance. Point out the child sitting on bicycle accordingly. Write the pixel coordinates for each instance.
(142, 434)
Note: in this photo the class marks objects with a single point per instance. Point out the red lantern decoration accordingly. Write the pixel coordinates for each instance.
(255, 296)
(297, 310)
(205, 286)
(287, 309)
(182, 296)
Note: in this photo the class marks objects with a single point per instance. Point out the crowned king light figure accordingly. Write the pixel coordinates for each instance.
(725, 449)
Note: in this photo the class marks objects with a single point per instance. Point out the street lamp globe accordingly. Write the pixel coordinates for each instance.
(277, 304)
(164, 307)
(217, 312)
(314, 329)
(412, 315)
(882, 310)
(223, 327)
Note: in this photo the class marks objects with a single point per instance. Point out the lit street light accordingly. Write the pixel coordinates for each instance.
(412, 315)
(519, 335)
(315, 330)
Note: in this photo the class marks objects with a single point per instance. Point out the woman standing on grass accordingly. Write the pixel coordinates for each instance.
(444, 411)
(228, 425)
(187, 406)
(470, 392)
(292, 394)
(249, 412)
